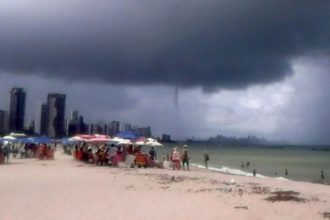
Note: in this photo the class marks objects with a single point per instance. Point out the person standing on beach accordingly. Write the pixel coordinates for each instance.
(6, 151)
(152, 153)
(185, 157)
(176, 159)
(322, 175)
(206, 159)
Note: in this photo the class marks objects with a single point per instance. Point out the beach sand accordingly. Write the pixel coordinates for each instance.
(67, 189)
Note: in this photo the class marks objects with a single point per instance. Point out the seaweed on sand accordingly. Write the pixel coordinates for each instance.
(279, 196)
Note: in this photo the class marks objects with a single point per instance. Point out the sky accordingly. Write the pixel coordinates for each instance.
(240, 67)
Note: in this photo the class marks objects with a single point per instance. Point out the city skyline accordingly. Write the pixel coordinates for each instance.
(51, 118)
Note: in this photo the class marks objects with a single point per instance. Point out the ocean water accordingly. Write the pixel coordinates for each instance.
(303, 162)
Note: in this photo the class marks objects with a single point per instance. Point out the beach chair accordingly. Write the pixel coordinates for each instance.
(130, 160)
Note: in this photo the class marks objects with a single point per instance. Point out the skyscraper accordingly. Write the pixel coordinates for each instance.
(41, 119)
(114, 128)
(76, 124)
(56, 115)
(16, 109)
(3, 122)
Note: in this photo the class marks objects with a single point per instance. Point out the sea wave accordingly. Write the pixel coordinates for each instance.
(235, 171)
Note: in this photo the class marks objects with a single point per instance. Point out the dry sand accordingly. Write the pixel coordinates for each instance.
(67, 189)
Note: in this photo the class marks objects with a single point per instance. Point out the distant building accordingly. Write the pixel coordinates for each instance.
(40, 126)
(44, 119)
(3, 122)
(74, 115)
(114, 128)
(125, 127)
(144, 131)
(76, 124)
(96, 129)
(105, 129)
(17, 109)
(56, 115)
(166, 138)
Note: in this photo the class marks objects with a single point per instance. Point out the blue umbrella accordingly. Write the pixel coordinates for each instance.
(43, 140)
(128, 135)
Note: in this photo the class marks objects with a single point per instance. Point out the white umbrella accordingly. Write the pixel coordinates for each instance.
(9, 137)
(17, 134)
(118, 140)
(153, 143)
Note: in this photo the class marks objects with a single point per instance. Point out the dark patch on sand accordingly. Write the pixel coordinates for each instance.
(241, 207)
(326, 215)
(225, 190)
(279, 196)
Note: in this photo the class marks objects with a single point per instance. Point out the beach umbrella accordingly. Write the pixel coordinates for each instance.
(128, 135)
(141, 141)
(118, 140)
(67, 141)
(99, 140)
(153, 143)
(17, 135)
(42, 140)
(9, 137)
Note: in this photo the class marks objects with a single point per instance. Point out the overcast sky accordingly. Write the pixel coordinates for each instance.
(241, 67)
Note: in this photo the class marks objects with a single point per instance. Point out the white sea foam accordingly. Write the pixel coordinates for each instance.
(235, 171)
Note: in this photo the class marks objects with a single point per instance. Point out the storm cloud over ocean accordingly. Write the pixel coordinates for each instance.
(211, 43)
(237, 47)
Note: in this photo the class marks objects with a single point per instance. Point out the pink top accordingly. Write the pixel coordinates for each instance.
(176, 155)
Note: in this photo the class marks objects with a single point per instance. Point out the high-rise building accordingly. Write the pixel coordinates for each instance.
(40, 125)
(74, 115)
(3, 122)
(56, 115)
(143, 131)
(16, 109)
(114, 128)
(166, 138)
(41, 119)
(76, 124)
(125, 127)
(44, 119)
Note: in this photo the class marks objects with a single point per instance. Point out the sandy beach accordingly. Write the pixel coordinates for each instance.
(67, 189)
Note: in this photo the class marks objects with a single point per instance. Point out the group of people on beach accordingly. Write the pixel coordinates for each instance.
(4, 153)
(131, 155)
(113, 155)
(28, 150)
(180, 159)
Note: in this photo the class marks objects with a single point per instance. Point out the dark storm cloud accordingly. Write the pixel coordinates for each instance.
(209, 43)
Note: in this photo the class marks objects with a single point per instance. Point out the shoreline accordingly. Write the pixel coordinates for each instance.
(279, 178)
